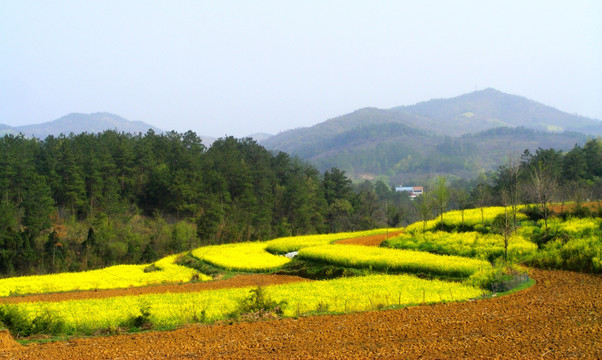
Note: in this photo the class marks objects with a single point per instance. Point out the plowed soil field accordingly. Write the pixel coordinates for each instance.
(558, 318)
(371, 240)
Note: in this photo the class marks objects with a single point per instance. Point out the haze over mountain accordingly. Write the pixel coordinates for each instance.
(78, 123)
(460, 135)
(490, 108)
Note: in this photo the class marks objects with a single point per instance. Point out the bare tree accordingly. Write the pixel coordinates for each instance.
(424, 204)
(462, 197)
(481, 195)
(544, 187)
(503, 224)
(441, 196)
(513, 196)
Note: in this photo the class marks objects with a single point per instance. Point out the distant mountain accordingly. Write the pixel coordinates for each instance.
(459, 136)
(79, 123)
(490, 108)
(207, 140)
(304, 139)
(259, 136)
(5, 130)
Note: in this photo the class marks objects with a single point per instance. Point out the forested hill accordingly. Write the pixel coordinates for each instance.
(78, 123)
(459, 136)
(88, 200)
(402, 153)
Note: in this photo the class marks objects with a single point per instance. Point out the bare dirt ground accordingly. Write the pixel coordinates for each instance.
(558, 318)
(7, 343)
(236, 281)
(560, 208)
(371, 240)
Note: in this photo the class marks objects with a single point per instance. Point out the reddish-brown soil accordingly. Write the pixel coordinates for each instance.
(371, 240)
(237, 281)
(559, 208)
(7, 343)
(558, 318)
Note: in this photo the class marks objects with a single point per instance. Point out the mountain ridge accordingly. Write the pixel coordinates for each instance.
(79, 123)
(452, 116)
(499, 109)
(458, 136)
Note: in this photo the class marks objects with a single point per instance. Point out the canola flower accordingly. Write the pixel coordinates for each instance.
(395, 260)
(470, 244)
(577, 226)
(295, 243)
(472, 217)
(113, 277)
(175, 309)
(247, 256)
(579, 253)
(259, 256)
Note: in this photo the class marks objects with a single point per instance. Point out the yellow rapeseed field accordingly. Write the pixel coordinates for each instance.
(470, 244)
(472, 217)
(170, 310)
(247, 256)
(259, 256)
(294, 243)
(394, 260)
(113, 277)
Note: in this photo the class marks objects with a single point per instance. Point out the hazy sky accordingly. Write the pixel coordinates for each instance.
(241, 67)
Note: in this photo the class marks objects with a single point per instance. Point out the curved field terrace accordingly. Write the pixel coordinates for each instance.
(558, 318)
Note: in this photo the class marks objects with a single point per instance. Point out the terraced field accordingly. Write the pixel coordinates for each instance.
(237, 281)
(558, 318)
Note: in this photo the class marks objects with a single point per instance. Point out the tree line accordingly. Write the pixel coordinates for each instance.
(541, 178)
(89, 200)
(77, 202)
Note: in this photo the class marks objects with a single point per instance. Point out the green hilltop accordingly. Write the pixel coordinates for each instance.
(458, 136)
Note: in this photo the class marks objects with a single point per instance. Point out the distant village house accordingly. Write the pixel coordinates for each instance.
(412, 191)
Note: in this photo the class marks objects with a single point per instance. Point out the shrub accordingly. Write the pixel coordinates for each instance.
(140, 321)
(533, 212)
(502, 277)
(259, 303)
(582, 254)
(21, 323)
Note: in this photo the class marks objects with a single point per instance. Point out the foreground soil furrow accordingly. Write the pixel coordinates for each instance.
(559, 318)
(237, 281)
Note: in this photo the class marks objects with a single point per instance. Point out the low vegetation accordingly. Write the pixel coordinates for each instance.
(119, 276)
(171, 310)
(400, 261)
(470, 244)
(295, 243)
(247, 256)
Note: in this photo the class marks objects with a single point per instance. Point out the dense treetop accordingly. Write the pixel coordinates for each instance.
(89, 200)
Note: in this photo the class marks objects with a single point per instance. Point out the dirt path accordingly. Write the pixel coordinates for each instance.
(559, 318)
(237, 281)
(371, 240)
